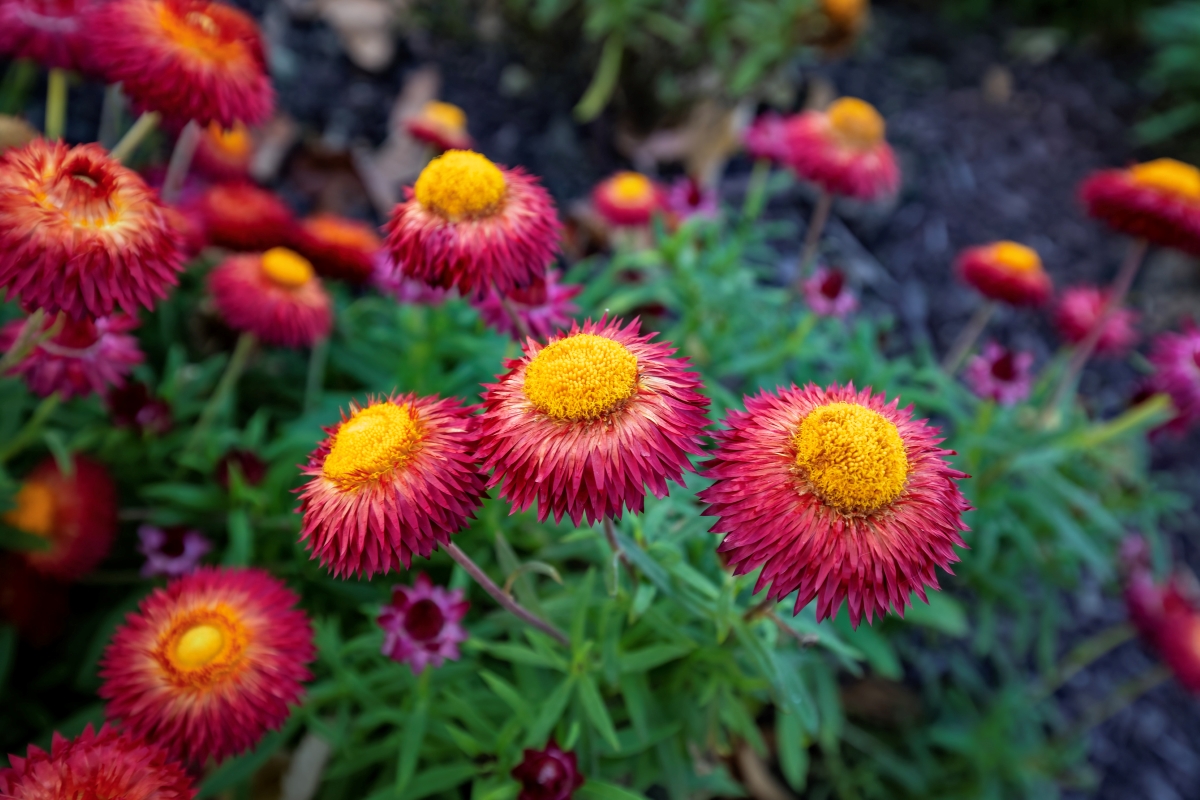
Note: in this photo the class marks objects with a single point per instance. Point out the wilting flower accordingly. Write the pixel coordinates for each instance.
(50, 32)
(836, 494)
(389, 279)
(132, 406)
(627, 199)
(274, 295)
(97, 764)
(422, 625)
(1079, 311)
(549, 774)
(339, 248)
(394, 479)
(76, 514)
(186, 59)
(686, 198)
(843, 150)
(1005, 271)
(585, 423)
(470, 224)
(224, 154)
(171, 551)
(766, 138)
(241, 216)
(85, 357)
(80, 233)
(827, 294)
(1158, 201)
(209, 664)
(1176, 360)
(443, 125)
(247, 463)
(545, 307)
(1000, 374)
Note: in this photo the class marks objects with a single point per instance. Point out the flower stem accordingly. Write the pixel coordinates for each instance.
(1118, 291)
(56, 104)
(513, 315)
(1084, 654)
(315, 380)
(31, 428)
(756, 190)
(968, 337)
(229, 379)
(619, 553)
(181, 161)
(816, 226)
(110, 116)
(134, 136)
(510, 605)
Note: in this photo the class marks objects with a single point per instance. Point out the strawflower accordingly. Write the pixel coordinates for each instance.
(1080, 309)
(1007, 272)
(388, 278)
(1000, 374)
(224, 154)
(338, 247)
(80, 233)
(85, 356)
(843, 150)
(628, 199)
(242, 216)
(209, 664)
(545, 307)
(422, 626)
(766, 138)
(1158, 201)
(828, 295)
(171, 551)
(587, 422)
(837, 495)
(442, 125)
(392, 480)
(1176, 360)
(276, 296)
(50, 32)
(685, 198)
(470, 224)
(548, 774)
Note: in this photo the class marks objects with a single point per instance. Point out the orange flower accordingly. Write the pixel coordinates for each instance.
(340, 248)
(1006, 271)
(843, 150)
(275, 296)
(442, 125)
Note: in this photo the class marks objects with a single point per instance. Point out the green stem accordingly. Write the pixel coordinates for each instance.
(1084, 654)
(32, 427)
(134, 136)
(604, 81)
(15, 86)
(181, 161)
(56, 104)
(315, 381)
(816, 226)
(756, 190)
(110, 116)
(969, 336)
(229, 379)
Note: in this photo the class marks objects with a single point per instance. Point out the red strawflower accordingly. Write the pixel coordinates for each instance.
(394, 479)
(843, 150)
(84, 357)
(50, 32)
(1158, 201)
(224, 154)
(549, 774)
(185, 59)
(422, 626)
(545, 307)
(1176, 360)
(209, 664)
(241, 216)
(80, 233)
(587, 422)
(1000, 374)
(274, 295)
(1005, 271)
(442, 125)
(628, 199)
(76, 514)
(836, 494)
(96, 766)
(470, 224)
(828, 295)
(339, 248)
(1079, 310)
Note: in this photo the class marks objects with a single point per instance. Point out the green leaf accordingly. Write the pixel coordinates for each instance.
(552, 711)
(13, 539)
(241, 539)
(791, 743)
(239, 770)
(647, 658)
(599, 790)
(439, 779)
(593, 706)
(8, 653)
(414, 736)
(508, 693)
(942, 613)
(604, 81)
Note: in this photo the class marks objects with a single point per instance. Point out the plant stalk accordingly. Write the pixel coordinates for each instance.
(315, 380)
(509, 604)
(56, 104)
(134, 136)
(816, 226)
(756, 190)
(618, 551)
(110, 117)
(181, 161)
(31, 428)
(233, 371)
(968, 337)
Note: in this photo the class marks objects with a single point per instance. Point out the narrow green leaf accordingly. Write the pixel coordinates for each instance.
(593, 706)
(552, 711)
(604, 81)
(599, 790)
(791, 743)
(241, 539)
(413, 738)
(647, 658)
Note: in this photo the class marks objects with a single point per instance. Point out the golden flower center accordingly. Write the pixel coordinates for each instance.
(202, 646)
(372, 443)
(1170, 176)
(852, 456)
(198, 646)
(35, 509)
(856, 122)
(461, 184)
(1016, 257)
(444, 115)
(581, 377)
(198, 33)
(630, 188)
(234, 141)
(286, 268)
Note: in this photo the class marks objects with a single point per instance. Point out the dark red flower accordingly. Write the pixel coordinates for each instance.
(132, 406)
(252, 468)
(550, 774)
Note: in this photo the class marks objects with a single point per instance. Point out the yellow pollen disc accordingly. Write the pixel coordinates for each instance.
(35, 509)
(197, 33)
(461, 184)
(852, 456)
(372, 443)
(581, 377)
(856, 122)
(1016, 257)
(444, 115)
(1169, 175)
(199, 646)
(286, 268)
(630, 188)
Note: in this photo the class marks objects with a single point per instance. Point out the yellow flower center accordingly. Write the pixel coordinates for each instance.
(1170, 176)
(444, 115)
(853, 457)
(581, 377)
(372, 443)
(202, 646)
(856, 122)
(199, 646)
(286, 268)
(461, 184)
(199, 34)
(1016, 257)
(630, 188)
(35, 509)
(235, 142)
(844, 13)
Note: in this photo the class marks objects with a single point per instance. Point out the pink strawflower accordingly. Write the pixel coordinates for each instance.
(388, 278)
(422, 625)
(685, 198)
(85, 357)
(171, 551)
(1000, 374)
(1080, 308)
(1176, 358)
(545, 307)
(827, 294)
(766, 137)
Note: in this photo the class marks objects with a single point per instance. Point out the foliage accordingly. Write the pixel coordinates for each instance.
(1174, 33)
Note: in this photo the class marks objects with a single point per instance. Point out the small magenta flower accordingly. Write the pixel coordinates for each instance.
(1080, 309)
(422, 625)
(827, 294)
(248, 463)
(1176, 360)
(388, 278)
(685, 198)
(1000, 374)
(767, 138)
(171, 551)
(550, 774)
(84, 357)
(545, 307)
